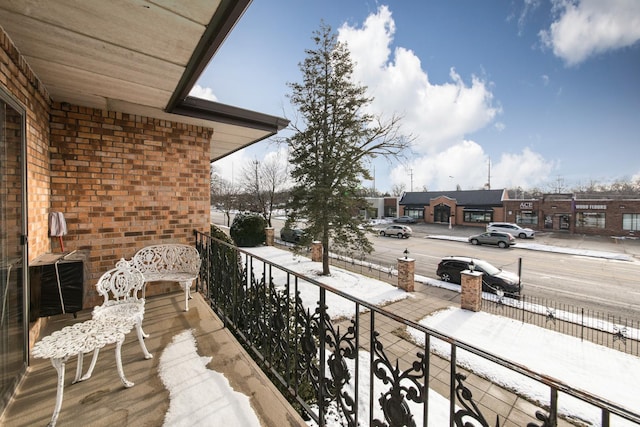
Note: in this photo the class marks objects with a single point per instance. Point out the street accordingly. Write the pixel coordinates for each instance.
(598, 284)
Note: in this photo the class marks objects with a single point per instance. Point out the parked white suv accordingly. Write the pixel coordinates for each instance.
(399, 231)
(514, 229)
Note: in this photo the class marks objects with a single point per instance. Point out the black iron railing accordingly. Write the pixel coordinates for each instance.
(608, 330)
(356, 371)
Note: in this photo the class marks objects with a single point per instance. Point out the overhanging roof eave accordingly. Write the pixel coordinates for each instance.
(221, 24)
(222, 113)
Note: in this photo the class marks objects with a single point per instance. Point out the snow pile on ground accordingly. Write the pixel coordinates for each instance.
(607, 373)
(199, 396)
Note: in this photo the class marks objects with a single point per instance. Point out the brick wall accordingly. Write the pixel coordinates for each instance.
(17, 78)
(124, 182)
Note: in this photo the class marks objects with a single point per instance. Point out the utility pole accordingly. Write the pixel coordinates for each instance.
(411, 175)
(489, 175)
(374, 180)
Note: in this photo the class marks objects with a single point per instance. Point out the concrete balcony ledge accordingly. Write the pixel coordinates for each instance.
(103, 401)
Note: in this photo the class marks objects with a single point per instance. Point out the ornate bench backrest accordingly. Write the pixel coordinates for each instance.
(167, 258)
(120, 283)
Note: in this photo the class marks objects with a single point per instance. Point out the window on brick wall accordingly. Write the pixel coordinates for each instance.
(527, 219)
(478, 216)
(631, 222)
(590, 219)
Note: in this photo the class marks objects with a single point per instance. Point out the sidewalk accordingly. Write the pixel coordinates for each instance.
(615, 247)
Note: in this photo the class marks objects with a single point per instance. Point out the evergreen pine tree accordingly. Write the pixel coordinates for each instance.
(331, 144)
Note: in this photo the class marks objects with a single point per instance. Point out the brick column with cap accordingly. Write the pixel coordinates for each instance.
(406, 273)
(471, 296)
(269, 233)
(316, 251)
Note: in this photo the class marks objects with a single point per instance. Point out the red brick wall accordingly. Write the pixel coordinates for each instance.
(17, 78)
(124, 182)
(614, 212)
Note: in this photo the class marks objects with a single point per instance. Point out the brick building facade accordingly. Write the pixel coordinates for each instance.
(464, 207)
(606, 216)
(570, 213)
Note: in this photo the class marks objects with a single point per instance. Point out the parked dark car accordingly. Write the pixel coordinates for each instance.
(503, 240)
(493, 278)
(291, 235)
(405, 219)
(400, 231)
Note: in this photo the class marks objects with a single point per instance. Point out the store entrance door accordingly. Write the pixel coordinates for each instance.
(441, 213)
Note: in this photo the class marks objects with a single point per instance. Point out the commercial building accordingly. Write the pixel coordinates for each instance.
(380, 207)
(575, 213)
(468, 207)
(605, 215)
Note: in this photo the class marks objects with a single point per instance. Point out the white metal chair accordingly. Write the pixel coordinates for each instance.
(120, 287)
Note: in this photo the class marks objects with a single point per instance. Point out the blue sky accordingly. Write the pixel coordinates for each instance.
(546, 92)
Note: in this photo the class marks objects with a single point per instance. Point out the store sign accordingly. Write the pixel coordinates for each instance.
(526, 205)
(591, 207)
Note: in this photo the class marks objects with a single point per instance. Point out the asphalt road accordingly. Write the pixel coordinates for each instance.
(597, 284)
(603, 285)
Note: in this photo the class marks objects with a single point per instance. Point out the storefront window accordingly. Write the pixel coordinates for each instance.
(414, 213)
(590, 219)
(631, 222)
(471, 216)
(527, 218)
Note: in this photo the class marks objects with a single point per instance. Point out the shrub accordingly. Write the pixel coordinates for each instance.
(217, 233)
(248, 230)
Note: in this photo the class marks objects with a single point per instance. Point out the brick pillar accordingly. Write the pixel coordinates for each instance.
(471, 296)
(406, 270)
(316, 251)
(269, 236)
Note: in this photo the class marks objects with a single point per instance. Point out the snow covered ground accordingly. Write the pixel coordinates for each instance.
(607, 373)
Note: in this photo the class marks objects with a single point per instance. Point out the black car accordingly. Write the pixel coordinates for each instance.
(493, 278)
(291, 235)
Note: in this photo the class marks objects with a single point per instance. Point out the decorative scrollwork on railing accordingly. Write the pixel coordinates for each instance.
(339, 347)
(404, 385)
(551, 315)
(471, 410)
(547, 420)
(620, 333)
(342, 348)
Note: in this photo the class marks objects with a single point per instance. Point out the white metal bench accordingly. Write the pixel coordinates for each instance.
(169, 262)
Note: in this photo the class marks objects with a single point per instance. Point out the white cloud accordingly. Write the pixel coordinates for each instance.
(203, 93)
(467, 165)
(464, 164)
(545, 80)
(231, 166)
(529, 7)
(585, 28)
(439, 115)
(527, 169)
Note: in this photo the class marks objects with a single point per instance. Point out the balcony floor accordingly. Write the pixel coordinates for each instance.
(103, 401)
